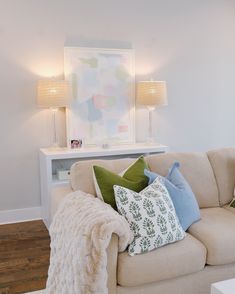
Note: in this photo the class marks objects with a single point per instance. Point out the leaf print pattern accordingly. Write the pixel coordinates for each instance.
(135, 228)
(144, 244)
(135, 211)
(131, 248)
(148, 225)
(158, 242)
(158, 185)
(122, 211)
(172, 221)
(137, 196)
(122, 195)
(168, 201)
(161, 221)
(149, 207)
(169, 238)
(179, 234)
(161, 205)
(151, 216)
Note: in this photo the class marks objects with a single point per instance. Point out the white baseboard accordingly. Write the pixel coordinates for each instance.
(20, 215)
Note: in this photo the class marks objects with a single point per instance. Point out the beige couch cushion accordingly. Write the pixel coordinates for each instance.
(229, 208)
(196, 169)
(177, 259)
(196, 283)
(216, 231)
(82, 173)
(223, 163)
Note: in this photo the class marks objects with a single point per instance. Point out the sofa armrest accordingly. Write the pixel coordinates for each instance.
(57, 195)
(112, 254)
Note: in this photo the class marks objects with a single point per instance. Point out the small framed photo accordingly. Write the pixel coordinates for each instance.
(76, 144)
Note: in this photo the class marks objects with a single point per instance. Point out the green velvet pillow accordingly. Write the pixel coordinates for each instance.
(132, 178)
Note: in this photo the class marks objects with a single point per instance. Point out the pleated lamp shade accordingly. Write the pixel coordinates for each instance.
(152, 93)
(53, 93)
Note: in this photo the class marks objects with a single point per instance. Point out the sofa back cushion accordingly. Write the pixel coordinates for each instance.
(196, 169)
(82, 172)
(223, 163)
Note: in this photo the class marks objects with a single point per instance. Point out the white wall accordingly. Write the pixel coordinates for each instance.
(188, 43)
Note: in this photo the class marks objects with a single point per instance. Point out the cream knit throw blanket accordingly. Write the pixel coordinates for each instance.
(80, 234)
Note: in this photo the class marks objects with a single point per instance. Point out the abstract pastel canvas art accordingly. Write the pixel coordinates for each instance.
(103, 95)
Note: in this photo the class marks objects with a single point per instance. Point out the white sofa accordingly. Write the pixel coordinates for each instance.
(205, 256)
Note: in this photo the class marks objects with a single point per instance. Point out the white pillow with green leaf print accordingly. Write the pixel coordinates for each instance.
(151, 215)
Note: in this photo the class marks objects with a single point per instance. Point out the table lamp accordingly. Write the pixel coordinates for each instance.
(53, 94)
(151, 94)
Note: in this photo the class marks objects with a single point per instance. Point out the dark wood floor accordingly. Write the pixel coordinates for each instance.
(24, 257)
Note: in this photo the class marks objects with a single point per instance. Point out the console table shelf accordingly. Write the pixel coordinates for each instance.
(63, 153)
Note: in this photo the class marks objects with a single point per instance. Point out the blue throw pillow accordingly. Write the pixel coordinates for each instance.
(182, 196)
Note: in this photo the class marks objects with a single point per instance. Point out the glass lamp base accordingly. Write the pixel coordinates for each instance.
(150, 138)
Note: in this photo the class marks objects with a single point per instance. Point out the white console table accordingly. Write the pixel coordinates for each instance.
(63, 158)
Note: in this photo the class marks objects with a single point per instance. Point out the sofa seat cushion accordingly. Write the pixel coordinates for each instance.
(229, 208)
(177, 259)
(216, 231)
